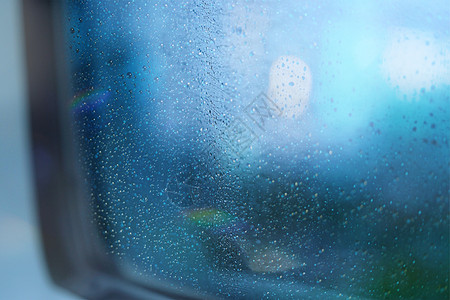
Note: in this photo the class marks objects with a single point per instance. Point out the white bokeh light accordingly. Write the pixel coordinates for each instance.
(290, 83)
(414, 61)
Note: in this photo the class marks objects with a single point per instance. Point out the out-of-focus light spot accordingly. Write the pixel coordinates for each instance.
(269, 259)
(415, 61)
(290, 82)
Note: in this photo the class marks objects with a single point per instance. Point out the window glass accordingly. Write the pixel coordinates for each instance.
(267, 149)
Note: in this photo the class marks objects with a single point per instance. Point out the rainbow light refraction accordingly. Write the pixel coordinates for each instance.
(209, 217)
(89, 100)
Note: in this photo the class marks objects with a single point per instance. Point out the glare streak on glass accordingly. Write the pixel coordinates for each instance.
(267, 149)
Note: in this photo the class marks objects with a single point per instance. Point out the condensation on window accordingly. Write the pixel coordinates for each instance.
(267, 149)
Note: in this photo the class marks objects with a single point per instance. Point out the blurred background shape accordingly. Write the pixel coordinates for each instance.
(23, 273)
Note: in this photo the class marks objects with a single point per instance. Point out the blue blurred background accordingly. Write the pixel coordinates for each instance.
(23, 274)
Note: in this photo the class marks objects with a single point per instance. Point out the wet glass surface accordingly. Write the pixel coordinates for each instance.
(268, 149)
